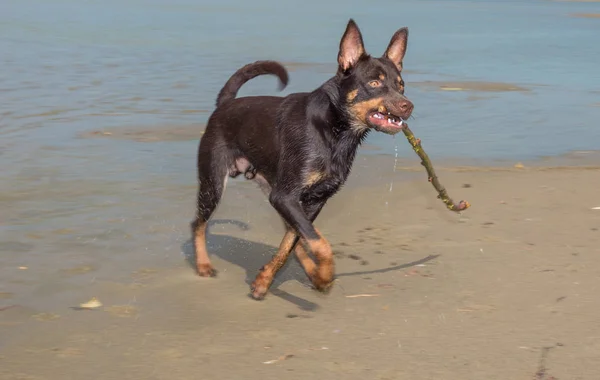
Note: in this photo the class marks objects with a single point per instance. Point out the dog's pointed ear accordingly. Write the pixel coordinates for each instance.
(397, 47)
(351, 47)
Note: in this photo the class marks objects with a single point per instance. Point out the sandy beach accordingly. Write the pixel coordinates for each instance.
(507, 290)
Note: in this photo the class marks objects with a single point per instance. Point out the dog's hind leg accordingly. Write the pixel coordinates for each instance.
(212, 175)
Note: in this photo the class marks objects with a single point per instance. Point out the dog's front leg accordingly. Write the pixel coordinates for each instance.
(291, 211)
(267, 273)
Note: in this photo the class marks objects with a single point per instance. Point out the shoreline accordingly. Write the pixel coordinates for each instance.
(192, 133)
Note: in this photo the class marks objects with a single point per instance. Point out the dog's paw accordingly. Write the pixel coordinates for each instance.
(323, 287)
(260, 286)
(320, 284)
(258, 291)
(206, 270)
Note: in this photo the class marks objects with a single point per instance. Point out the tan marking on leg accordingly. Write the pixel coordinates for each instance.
(313, 178)
(265, 277)
(305, 260)
(307, 263)
(323, 275)
(203, 265)
(351, 95)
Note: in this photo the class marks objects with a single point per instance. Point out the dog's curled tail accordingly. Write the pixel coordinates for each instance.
(252, 70)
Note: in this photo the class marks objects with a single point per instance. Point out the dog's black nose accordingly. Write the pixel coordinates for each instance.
(406, 106)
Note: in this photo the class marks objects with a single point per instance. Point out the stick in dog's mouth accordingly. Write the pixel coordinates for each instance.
(426, 162)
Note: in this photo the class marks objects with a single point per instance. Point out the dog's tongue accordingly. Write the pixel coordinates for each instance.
(386, 121)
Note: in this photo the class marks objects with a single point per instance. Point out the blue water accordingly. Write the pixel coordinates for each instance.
(87, 65)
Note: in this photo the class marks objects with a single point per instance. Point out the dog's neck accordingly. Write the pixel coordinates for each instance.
(342, 129)
(336, 127)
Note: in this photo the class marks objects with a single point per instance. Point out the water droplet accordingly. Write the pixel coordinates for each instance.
(395, 164)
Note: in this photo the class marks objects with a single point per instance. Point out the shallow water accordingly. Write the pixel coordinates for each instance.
(490, 80)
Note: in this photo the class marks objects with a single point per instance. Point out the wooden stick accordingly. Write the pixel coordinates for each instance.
(442, 194)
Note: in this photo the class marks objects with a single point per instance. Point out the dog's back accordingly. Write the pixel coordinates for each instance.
(247, 125)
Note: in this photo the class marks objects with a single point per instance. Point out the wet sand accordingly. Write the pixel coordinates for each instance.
(474, 86)
(586, 15)
(507, 290)
(149, 134)
(164, 133)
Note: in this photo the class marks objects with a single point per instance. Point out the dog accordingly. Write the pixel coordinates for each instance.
(298, 148)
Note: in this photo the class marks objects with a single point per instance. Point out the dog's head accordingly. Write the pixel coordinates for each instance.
(372, 89)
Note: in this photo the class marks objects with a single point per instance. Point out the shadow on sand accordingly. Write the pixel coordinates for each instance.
(251, 256)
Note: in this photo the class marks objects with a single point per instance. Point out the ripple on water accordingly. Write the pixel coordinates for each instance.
(473, 86)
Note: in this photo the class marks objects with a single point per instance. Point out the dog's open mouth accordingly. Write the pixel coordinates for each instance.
(386, 122)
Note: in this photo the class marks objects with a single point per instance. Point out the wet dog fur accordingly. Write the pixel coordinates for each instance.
(298, 148)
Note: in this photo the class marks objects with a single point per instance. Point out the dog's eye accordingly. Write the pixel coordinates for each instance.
(375, 83)
(401, 84)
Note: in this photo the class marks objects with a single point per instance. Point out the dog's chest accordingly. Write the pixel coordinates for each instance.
(321, 185)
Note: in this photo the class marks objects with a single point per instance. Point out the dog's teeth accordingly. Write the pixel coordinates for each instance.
(390, 120)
